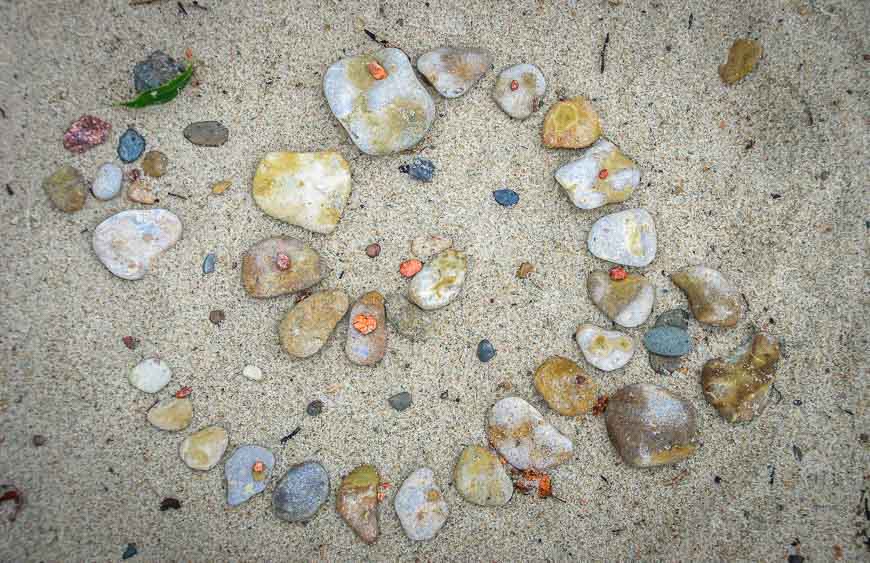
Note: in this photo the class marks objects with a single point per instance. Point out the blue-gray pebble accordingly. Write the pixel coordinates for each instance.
(131, 145)
(241, 484)
(301, 492)
(506, 197)
(400, 401)
(421, 169)
(667, 341)
(208, 263)
(158, 69)
(485, 351)
(675, 317)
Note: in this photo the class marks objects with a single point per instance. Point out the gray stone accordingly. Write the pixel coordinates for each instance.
(668, 341)
(519, 90)
(678, 318)
(301, 492)
(453, 71)
(107, 183)
(243, 482)
(420, 506)
(207, 133)
(400, 401)
(156, 70)
(127, 242)
(627, 238)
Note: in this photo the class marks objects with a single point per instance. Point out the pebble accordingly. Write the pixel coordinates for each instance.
(565, 387)
(410, 268)
(627, 302)
(373, 250)
(406, 318)
(38, 440)
(420, 506)
(738, 386)
(253, 373)
(519, 90)
(667, 341)
(742, 58)
(367, 349)
(242, 481)
(314, 408)
(131, 145)
(506, 197)
(301, 492)
(426, 246)
(140, 192)
(220, 187)
(677, 318)
(207, 133)
(107, 183)
(601, 175)
(627, 238)
(649, 426)
(381, 116)
(571, 124)
(357, 502)
(217, 317)
(309, 190)
(128, 241)
(712, 298)
(607, 350)
(485, 350)
(525, 270)
(400, 401)
(203, 449)
(440, 280)
(208, 263)
(171, 414)
(85, 133)
(150, 375)
(481, 479)
(66, 189)
(454, 71)
(155, 164)
(130, 551)
(264, 274)
(156, 70)
(521, 435)
(420, 169)
(307, 326)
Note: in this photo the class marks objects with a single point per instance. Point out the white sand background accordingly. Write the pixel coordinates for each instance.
(98, 481)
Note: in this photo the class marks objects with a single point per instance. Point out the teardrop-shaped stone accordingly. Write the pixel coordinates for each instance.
(204, 448)
(171, 414)
(518, 431)
(357, 502)
(627, 302)
(307, 326)
(713, 299)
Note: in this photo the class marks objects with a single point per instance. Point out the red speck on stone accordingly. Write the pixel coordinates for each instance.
(514, 85)
(603, 174)
(618, 273)
(130, 342)
(85, 133)
(282, 261)
(134, 174)
(183, 392)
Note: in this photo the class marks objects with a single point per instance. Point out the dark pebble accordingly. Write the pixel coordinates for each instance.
(506, 197)
(373, 250)
(130, 342)
(217, 316)
(400, 401)
(158, 69)
(485, 351)
(207, 133)
(314, 408)
(208, 263)
(667, 341)
(419, 169)
(131, 145)
(131, 551)
(675, 317)
(39, 440)
(170, 503)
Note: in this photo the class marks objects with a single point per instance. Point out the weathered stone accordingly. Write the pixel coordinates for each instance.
(667, 341)
(357, 502)
(140, 192)
(713, 299)
(567, 389)
(453, 71)
(240, 471)
(518, 431)
(85, 133)
(571, 124)
(131, 145)
(277, 266)
(601, 175)
(207, 133)
(150, 375)
(627, 302)
(519, 90)
(363, 347)
(667, 365)
(301, 492)
(155, 164)
(203, 449)
(742, 57)
(605, 349)
(626, 237)
(127, 242)
(66, 189)
(307, 326)
(156, 70)
(481, 479)
(406, 318)
(171, 414)
(440, 280)
(420, 506)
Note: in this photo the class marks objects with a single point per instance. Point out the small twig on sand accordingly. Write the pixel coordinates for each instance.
(604, 50)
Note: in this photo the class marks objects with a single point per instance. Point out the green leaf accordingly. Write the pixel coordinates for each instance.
(163, 93)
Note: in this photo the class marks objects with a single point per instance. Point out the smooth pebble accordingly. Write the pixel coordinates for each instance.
(420, 506)
(626, 237)
(400, 401)
(481, 479)
(203, 449)
(307, 326)
(357, 502)
(440, 281)
(107, 183)
(571, 124)
(506, 197)
(155, 164)
(518, 431)
(565, 387)
(367, 349)
(66, 189)
(242, 481)
(627, 302)
(171, 414)
(131, 145)
(485, 350)
(127, 242)
(607, 350)
(150, 375)
(278, 266)
(712, 298)
(519, 90)
(452, 71)
(207, 133)
(301, 492)
(602, 175)
(667, 341)
(253, 373)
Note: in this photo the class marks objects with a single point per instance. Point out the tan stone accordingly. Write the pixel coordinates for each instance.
(357, 502)
(567, 389)
(307, 326)
(571, 124)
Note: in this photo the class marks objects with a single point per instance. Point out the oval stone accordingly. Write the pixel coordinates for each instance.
(357, 502)
(150, 375)
(420, 506)
(66, 189)
(301, 492)
(171, 414)
(453, 71)
(242, 481)
(367, 349)
(127, 242)
(602, 175)
(262, 275)
(627, 238)
(307, 326)
(712, 298)
(203, 449)
(571, 124)
(567, 389)
(519, 433)
(668, 341)
(440, 280)
(627, 302)
(155, 164)
(526, 97)
(207, 133)
(481, 479)
(107, 183)
(605, 349)
(131, 145)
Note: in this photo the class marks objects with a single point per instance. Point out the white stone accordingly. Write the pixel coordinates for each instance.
(440, 280)
(605, 349)
(107, 184)
(420, 505)
(171, 414)
(527, 98)
(128, 241)
(582, 182)
(426, 246)
(627, 302)
(521, 435)
(627, 238)
(150, 375)
(453, 71)
(253, 373)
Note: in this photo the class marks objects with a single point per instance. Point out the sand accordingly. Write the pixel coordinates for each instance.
(765, 180)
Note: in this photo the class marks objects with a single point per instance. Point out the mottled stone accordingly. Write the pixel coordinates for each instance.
(567, 389)
(518, 431)
(367, 349)
(381, 116)
(242, 481)
(140, 192)
(480, 478)
(519, 90)
(150, 375)
(66, 189)
(307, 326)
(667, 341)
(712, 298)
(627, 302)
(453, 71)
(440, 280)
(400, 401)
(301, 492)
(262, 273)
(420, 506)
(171, 414)
(601, 175)
(605, 349)
(155, 164)
(203, 449)
(739, 386)
(309, 190)
(426, 246)
(678, 318)
(131, 145)
(156, 70)
(571, 124)
(406, 318)
(421, 169)
(742, 58)
(127, 242)
(649, 426)
(357, 502)
(85, 133)
(207, 133)
(627, 238)
(107, 183)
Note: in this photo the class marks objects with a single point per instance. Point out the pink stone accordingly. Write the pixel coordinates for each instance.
(282, 261)
(85, 133)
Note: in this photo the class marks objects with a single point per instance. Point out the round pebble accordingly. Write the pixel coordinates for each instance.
(571, 124)
(373, 250)
(207, 133)
(107, 183)
(253, 373)
(400, 401)
(278, 266)
(202, 450)
(481, 479)
(131, 145)
(155, 164)
(440, 281)
(667, 341)
(307, 326)
(506, 197)
(565, 387)
(150, 375)
(626, 237)
(314, 408)
(217, 317)
(301, 492)
(519, 90)
(420, 506)
(66, 189)
(485, 350)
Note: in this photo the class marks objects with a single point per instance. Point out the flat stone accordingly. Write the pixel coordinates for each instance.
(567, 389)
(253, 373)
(309, 190)
(367, 349)
(208, 264)
(140, 192)
(571, 124)
(357, 502)
(406, 318)
(742, 58)
(156, 70)
(521, 435)
(262, 273)
(678, 318)
(203, 449)
(107, 183)
(440, 280)
(171, 414)
(481, 479)
(131, 145)
(519, 90)
(307, 326)
(127, 242)
(426, 246)
(506, 197)
(453, 71)
(627, 238)
(85, 133)
(485, 351)
(712, 298)
(66, 189)
(301, 492)
(420, 506)
(602, 175)
(605, 349)
(150, 375)
(155, 164)
(650, 426)
(400, 401)
(739, 386)
(666, 365)
(627, 302)
(381, 116)
(667, 341)
(242, 481)
(207, 133)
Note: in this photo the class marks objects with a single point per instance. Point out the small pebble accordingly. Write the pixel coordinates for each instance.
(130, 551)
(626, 237)
(440, 281)
(252, 372)
(203, 449)
(400, 401)
(525, 270)
(410, 268)
(521, 435)
(301, 492)
(85, 133)
(150, 375)
(38, 440)
(207, 133)
(131, 145)
(419, 169)
(742, 58)
(506, 197)
(66, 189)
(242, 481)
(667, 341)
(519, 90)
(130, 342)
(217, 316)
(367, 332)
(667, 365)
(156, 70)
(155, 164)
(373, 250)
(140, 192)
(357, 502)
(170, 503)
(420, 506)
(107, 183)
(314, 408)
(220, 187)
(208, 263)
(485, 350)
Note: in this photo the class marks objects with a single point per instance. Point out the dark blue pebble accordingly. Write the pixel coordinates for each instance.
(131, 145)
(485, 351)
(208, 263)
(420, 169)
(131, 551)
(667, 341)
(506, 197)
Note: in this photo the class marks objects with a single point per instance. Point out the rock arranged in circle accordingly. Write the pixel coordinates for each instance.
(602, 175)
(481, 479)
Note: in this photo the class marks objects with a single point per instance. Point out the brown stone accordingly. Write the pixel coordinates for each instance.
(567, 389)
(367, 349)
(742, 57)
(713, 299)
(66, 189)
(262, 275)
(307, 326)
(154, 164)
(357, 502)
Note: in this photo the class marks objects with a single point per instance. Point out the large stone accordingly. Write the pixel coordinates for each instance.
(301, 492)
(518, 431)
(567, 389)
(481, 479)
(453, 71)
(240, 471)
(307, 326)
(406, 318)
(277, 266)
(203, 449)
(601, 175)
(367, 344)
(308, 190)
(381, 116)
(571, 124)
(627, 238)
(171, 414)
(150, 375)
(127, 242)
(605, 349)
(713, 299)
(519, 90)
(440, 280)
(627, 302)
(66, 189)
(420, 506)
(357, 502)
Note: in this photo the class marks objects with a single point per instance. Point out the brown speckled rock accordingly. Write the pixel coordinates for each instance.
(571, 124)
(567, 389)
(307, 326)
(363, 347)
(357, 502)
(66, 189)
(714, 301)
(262, 275)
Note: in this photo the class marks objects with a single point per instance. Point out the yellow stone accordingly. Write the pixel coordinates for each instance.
(567, 389)
(221, 187)
(571, 124)
(742, 58)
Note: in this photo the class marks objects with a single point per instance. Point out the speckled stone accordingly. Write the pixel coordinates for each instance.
(127, 242)
(742, 58)
(150, 375)
(607, 350)
(626, 237)
(203, 449)
(667, 341)
(626, 302)
(571, 124)
(307, 326)
(650, 426)
(301, 492)
(171, 414)
(481, 479)
(518, 431)
(421, 169)
(107, 183)
(381, 116)
(309, 190)
(426, 246)
(528, 96)
(567, 389)
(156, 70)
(66, 189)
(440, 281)
(262, 276)
(420, 506)
(155, 164)
(582, 179)
(712, 298)
(85, 133)
(131, 145)
(407, 319)
(452, 71)
(357, 502)
(739, 386)
(242, 481)
(207, 133)
(140, 192)
(367, 349)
